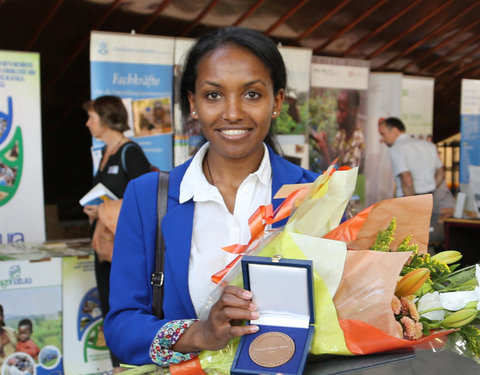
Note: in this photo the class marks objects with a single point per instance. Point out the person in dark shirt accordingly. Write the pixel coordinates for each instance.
(122, 160)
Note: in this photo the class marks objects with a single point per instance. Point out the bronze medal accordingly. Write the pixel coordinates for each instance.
(271, 349)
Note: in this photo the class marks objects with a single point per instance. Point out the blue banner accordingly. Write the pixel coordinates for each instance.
(139, 69)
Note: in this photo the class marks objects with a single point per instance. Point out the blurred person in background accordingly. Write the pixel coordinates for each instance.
(121, 161)
(415, 162)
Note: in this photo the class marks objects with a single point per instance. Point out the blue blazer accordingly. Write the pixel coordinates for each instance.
(130, 326)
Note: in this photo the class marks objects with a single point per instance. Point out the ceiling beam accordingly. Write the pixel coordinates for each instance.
(442, 44)
(449, 78)
(384, 25)
(440, 59)
(248, 12)
(457, 62)
(81, 45)
(286, 16)
(46, 21)
(350, 26)
(321, 21)
(430, 35)
(197, 19)
(154, 16)
(409, 30)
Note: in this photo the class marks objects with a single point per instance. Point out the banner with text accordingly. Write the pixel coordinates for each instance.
(22, 216)
(417, 105)
(139, 69)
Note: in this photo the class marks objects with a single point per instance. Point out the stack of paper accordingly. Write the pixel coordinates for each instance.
(97, 195)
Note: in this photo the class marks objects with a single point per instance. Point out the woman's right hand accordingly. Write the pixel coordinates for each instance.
(224, 322)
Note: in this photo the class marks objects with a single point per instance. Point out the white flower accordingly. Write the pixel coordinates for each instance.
(431, 301)
(455, 301)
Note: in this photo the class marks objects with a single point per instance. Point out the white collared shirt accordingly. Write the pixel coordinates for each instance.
(214, 226)
(417, 156)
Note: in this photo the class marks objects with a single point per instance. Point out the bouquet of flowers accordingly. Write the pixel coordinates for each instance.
(378, 291)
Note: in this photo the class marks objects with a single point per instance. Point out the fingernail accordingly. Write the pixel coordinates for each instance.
(254, 329)
(255, 315)
(247, 294)
(253, 306)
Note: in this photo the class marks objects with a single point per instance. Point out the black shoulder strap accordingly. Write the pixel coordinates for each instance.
(122, 156)
(157, 276)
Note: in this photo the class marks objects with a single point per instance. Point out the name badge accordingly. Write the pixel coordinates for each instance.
(113, 169)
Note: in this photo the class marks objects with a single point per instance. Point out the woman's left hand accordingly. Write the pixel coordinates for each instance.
(92, 212)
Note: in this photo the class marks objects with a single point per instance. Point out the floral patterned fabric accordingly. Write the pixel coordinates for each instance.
(349, 151)
(165, 339)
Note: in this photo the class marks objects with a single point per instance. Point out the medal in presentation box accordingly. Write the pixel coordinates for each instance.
(283, 292)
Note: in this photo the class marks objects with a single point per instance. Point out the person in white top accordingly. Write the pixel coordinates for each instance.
(415, 162)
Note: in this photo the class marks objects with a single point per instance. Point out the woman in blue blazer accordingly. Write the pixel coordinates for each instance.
(234, 83)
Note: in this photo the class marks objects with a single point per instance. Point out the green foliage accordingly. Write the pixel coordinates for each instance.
(471, 335)
(437, 268)
(284, 124)
(461, 280)
(322, 109)
(385, 237)
(48, 332)
(405, 245)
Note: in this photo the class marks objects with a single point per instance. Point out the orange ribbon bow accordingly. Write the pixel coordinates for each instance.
(263, 216)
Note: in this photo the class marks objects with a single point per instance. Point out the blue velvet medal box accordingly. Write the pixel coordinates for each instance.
(283, 291)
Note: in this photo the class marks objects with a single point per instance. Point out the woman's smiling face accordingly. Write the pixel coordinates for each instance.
(234, 101)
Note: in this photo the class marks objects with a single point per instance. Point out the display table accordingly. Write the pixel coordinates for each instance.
(53, 286)
(463, 235)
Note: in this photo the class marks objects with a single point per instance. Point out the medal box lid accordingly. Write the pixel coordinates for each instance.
(282, 290)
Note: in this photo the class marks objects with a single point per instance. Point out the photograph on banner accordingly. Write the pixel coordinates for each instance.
(22, 216)
(338, 116)
(152, 116)
(291, 127)
(31, 312)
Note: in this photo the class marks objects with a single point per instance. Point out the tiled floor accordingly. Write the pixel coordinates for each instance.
(426, 362)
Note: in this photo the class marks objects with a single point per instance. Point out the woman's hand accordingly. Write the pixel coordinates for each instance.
(92, 212)
(224, 322)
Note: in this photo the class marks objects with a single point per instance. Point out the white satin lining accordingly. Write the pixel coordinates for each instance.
(281, 295)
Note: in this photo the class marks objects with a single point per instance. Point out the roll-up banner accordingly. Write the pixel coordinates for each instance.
(417, 105)
(291, 127)
(470, 144)
(384, 100)
(338, 115)
(470, 127)
(187, 135)
(22, 216)
(139, 69)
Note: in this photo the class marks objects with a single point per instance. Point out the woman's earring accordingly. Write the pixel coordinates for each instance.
(274, 113)
(194, 113)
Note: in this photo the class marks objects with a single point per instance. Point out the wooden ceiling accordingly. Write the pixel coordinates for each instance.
(433, 38)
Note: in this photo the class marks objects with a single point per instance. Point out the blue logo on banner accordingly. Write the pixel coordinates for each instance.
(102, 48)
